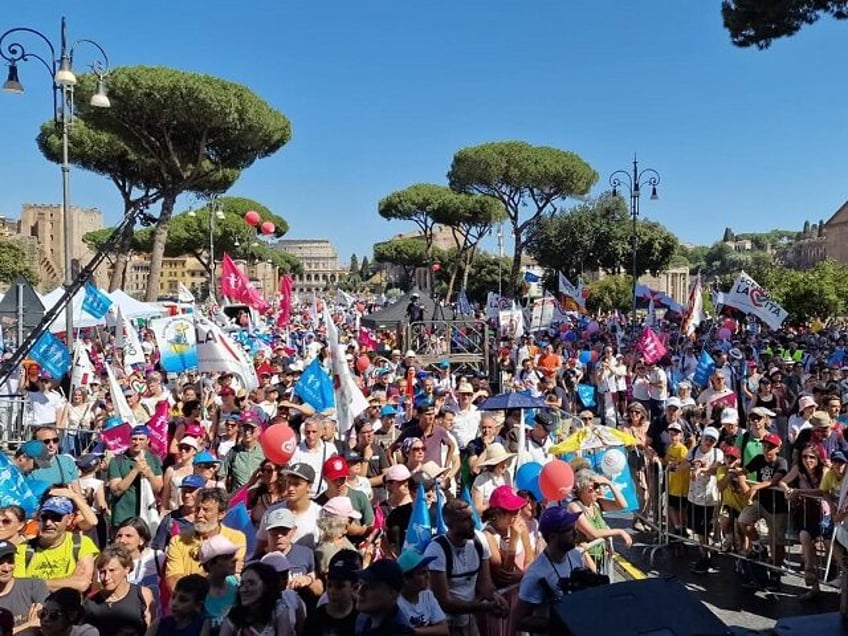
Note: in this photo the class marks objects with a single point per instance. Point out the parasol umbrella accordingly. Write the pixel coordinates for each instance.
(592, 438)
(513, 400)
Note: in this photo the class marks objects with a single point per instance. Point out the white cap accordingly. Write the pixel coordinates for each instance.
(730, 416)
(711, 432)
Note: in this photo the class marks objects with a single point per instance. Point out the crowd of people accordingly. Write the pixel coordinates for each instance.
(136, 542)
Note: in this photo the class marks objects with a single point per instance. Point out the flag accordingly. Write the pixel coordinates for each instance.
(315, 387)
(441, 526)
(704, 370)
(14, 488)
(651, 319)
(158, 425)
(577, 293)
(586, 395)
(116, 438)
(236, 285)
(82, 372)
(95, 302)
(530, 277)
(419, 533)
(366, 340)
(694, 309)
(747, 296)
(344, 299)
(177, 342)
(462, 304)
(51, 354)
(466, 497)
(184, 295)
(238, 518)
(285, 306)
(650, 346)
(119, 400)
(349, 399)
(126, 339)
(216, 352)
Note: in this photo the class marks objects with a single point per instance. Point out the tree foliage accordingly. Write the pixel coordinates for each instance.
(523, 178)
(760, 22)
(597, 235)
(610, 293)
(14, 262)
(415, 203)
(191, 133)
(407, 253)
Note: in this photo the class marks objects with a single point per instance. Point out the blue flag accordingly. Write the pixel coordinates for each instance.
(51, 354)
(704, 370)
(466, 497)
(586, 395)
(530, 277)
(238, 518)
(315, 387)
(441, 526)
(95, 302)
(463, 305)
(420, 532)
(14, 488)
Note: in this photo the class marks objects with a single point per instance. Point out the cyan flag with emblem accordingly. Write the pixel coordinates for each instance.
(704, 370)
(95, 302)
(420, 531)
(315, 387)
(14, 489)
(51, 354)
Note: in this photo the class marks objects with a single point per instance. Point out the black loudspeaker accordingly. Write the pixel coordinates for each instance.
(649, 607)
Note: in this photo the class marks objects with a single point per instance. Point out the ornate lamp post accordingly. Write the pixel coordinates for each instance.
(215, 214)
(634, 182)
(62, 76)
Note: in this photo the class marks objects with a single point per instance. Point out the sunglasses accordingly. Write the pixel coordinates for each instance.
(809, 456)
(184, 448)
(51, 440)
(417, 448)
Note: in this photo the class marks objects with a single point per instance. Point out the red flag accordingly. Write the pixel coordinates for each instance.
(117, 438)
(366, 340)
(158, 425)
(284, 315)
(650, 346)
(236, 285)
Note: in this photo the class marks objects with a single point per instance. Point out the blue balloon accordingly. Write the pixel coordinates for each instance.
(571, 336)
(527, 478)
(585, 357)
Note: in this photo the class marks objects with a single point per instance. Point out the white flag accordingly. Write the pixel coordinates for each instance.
(746, 295)
(184, 295)
(344, 299)
(126, 339)
(119, 400)
(82, 372)
(216, 352)
(349, 399)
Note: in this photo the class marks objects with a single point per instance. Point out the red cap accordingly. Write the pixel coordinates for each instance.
(226, 391)
(335, 468)
(732, 451)
(772, 439)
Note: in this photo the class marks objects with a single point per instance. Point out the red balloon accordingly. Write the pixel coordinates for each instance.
(556, 480)
(436, 267)
(252, 217)
(278, 443)
(362, 364)
(268, 227)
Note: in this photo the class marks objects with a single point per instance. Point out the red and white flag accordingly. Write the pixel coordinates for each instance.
(650, 346)
(694, 309)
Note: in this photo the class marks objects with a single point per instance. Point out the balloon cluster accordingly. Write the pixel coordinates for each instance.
(552, 482)
(253, 219)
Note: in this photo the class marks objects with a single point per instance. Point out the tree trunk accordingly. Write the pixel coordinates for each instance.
(160, 236)
(512, 286)
(119, 273)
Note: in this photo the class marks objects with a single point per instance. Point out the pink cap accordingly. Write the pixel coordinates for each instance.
(215, 546)
(340, 507)
(398, 472)
(505, 498)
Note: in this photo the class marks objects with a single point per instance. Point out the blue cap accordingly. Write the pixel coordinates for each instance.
(141, 429)
(557, 519)
(422, 375)
(388, 410)
(205, 457)
(58, 505)
(444, 364)
(192, 481)
(34, 449)
(838, 456)
(383, 371)
(423, 403)
(411, 560)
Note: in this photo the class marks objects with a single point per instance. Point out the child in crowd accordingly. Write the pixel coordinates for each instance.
(733, 500)
(289, 601)
(678, 479)
(218, 559)
(416, 599)
(186, 606)
(338, 615)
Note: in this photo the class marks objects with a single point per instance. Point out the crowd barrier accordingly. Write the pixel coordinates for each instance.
(804, 512)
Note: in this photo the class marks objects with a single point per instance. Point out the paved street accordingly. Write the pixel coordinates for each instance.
(722, 592)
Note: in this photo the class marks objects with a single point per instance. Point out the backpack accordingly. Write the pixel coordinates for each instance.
(447, 548)
(32, 545)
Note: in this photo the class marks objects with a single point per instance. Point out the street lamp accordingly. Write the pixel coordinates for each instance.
(215, 214)
(634, 182)
(64, 80)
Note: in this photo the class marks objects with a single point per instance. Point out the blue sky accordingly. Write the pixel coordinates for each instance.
(381, 94)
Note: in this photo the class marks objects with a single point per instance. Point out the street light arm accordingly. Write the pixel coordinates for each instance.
(100, 67)
(621, 178)
(649, 177)
(15, 52)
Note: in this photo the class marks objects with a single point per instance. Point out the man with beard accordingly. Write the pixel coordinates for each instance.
(183, 553)
(60, 557)
(22, 597)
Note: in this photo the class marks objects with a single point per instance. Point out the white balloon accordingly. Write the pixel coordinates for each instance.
(613, 463)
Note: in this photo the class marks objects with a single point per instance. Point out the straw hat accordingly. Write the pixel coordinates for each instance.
(495, 454)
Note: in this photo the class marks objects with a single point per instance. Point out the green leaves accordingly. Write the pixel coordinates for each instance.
(14, 262)
(760, 22)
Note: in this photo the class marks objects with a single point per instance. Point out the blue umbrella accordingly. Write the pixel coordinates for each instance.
(512, 400)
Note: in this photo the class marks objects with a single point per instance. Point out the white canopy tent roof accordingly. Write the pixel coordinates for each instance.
(130, 307)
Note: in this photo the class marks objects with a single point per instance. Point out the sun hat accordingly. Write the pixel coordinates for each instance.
(431, 469)
(821, 419)
(495, 454)
(805, 402)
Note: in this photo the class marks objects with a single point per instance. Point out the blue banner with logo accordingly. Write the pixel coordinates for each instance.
(420, 531)
(95, 302)
(52, 355)
(14, 489)
(315, 387)
(704, 370)
(177, 341)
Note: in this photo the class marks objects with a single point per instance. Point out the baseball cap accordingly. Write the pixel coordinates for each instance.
(58, 505)
(398, 472)
(205, 457)
(7, 548)
(545, 421)
(340, 507)
(673, 402)
(772, 440)
(280, 517)
(557, 519)
(505, 498)
(141, 429)
(411, 560)
(215, 546)
(335, 468)
(388, 410)
(711, 432)
(730, 416)
(192, 481)
(344, 566)
(674, 426)
(763, 411)
(303, 471)
(277, 560)
(838, 456)
(353, 456)
(409, 354)
(188, 440)
(227, 390)
(732, 451)
(89, 461)
(34, 449)
(383, 572)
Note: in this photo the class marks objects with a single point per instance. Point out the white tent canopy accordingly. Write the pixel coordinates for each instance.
(130, 307)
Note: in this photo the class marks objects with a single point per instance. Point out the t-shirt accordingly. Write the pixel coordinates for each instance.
(240, 463)
(831, 482)
(182, 553)
(314, 459)
(426, 611)
(771, 499)
(394, 625)
(53, 563)
(486, 482)
(703, 489)
(540, 583)
(22, 596)
(126, 505)
(678, 480)
(302, 561)
(731, 496)
(319, 622)
(465, 560)
(215, 608)
(61, 470)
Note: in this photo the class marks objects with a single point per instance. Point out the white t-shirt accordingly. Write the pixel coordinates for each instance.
(465, 559)
(306, 532)
(426, 611)
(45, 406)
(486, 482)
(796, 425)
